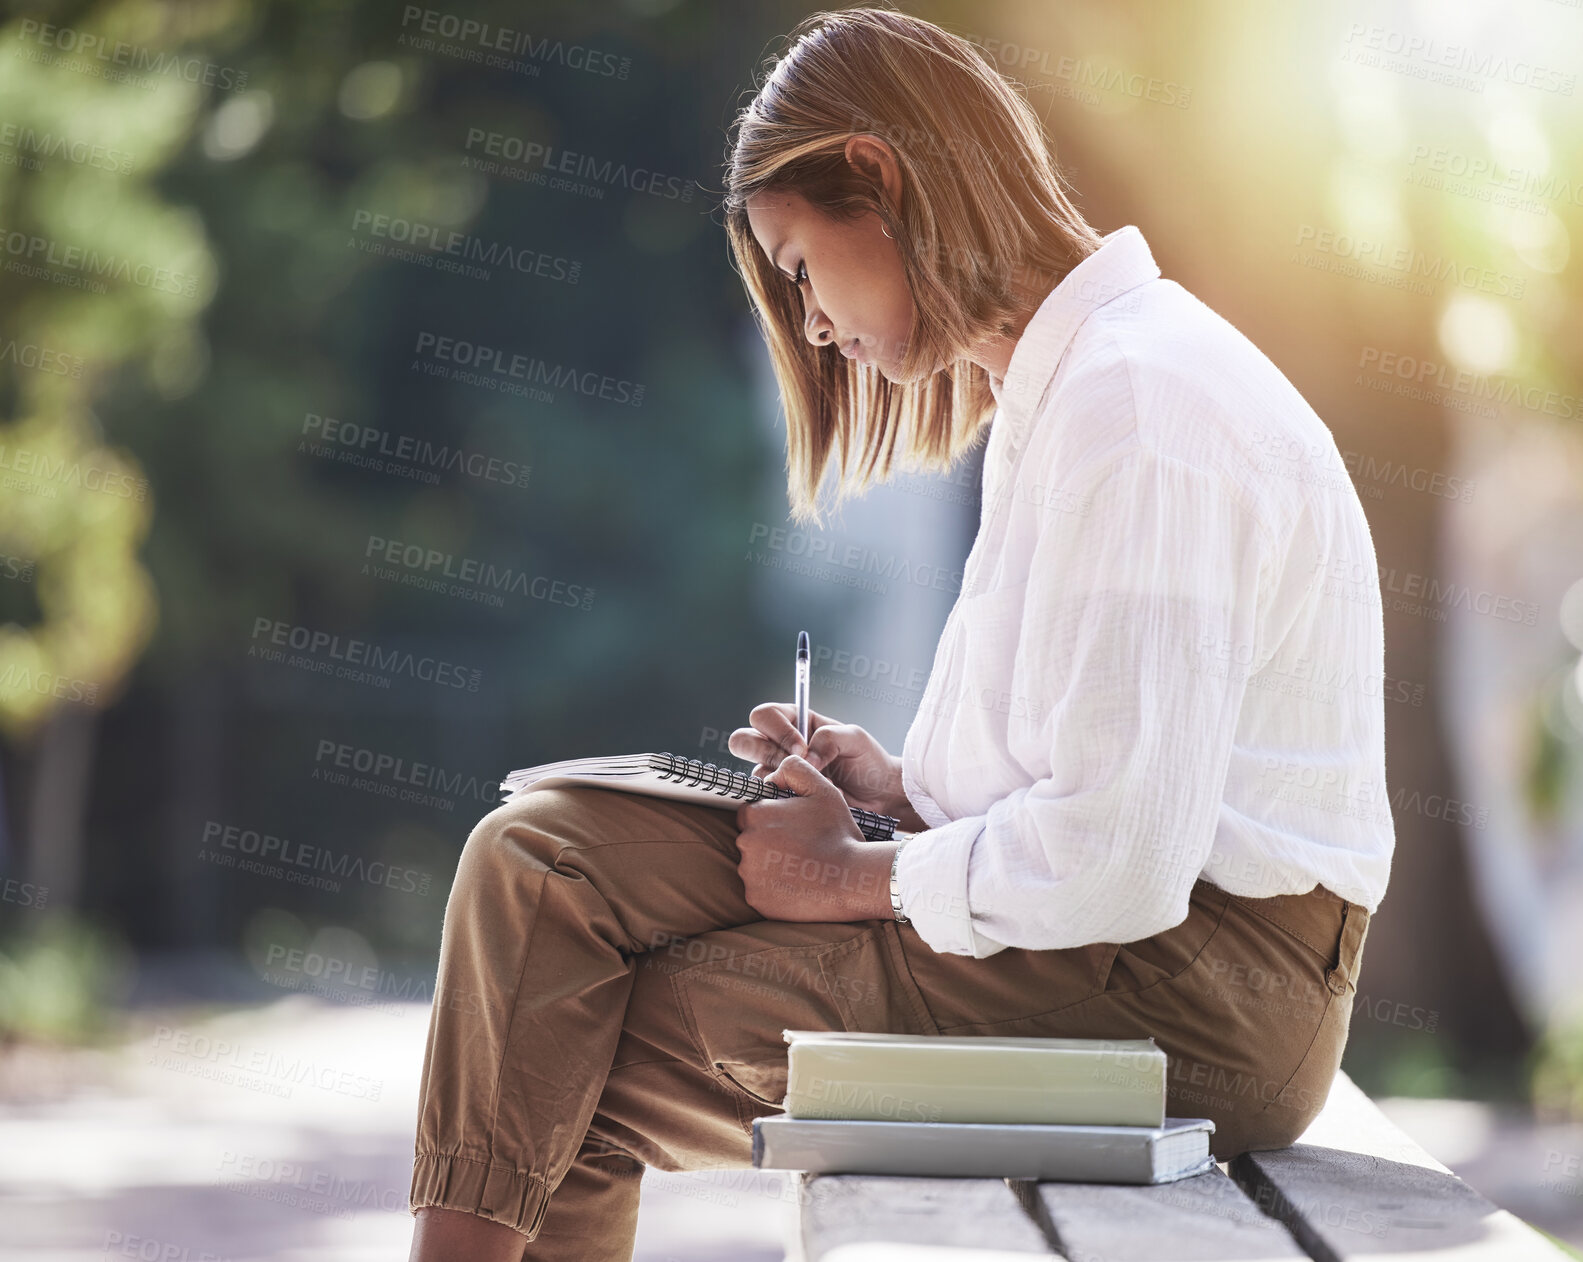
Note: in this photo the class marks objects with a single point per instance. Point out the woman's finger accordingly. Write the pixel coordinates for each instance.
(747, 742)
(778, 722)
(824, 746)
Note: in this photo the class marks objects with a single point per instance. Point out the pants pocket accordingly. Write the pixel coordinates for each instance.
(873, 989)
(737, 1007)
(1138, 965)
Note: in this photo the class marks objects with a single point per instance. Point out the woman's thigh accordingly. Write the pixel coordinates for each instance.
(655, 868)
(722, 1000)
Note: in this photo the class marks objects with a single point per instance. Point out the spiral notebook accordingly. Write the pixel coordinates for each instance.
(673, 776)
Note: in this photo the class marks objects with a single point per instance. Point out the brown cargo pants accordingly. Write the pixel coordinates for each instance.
(607, 1000)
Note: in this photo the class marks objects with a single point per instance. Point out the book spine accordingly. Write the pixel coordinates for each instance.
(858, 1083)
(920, 1148)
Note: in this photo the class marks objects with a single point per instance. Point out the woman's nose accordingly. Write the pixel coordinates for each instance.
(817, 329)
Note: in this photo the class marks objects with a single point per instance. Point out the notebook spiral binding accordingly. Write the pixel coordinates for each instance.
(745, 785)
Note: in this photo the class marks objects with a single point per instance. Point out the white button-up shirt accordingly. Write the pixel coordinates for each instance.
(1167, 657)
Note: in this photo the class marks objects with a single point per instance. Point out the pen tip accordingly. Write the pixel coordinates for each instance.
(802, 644)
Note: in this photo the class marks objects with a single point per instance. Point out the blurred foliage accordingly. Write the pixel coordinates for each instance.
(1557, 1072)
(76, 309)
(1403, 1063)
(62, 980)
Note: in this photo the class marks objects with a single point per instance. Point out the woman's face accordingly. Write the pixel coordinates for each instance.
(854, 292)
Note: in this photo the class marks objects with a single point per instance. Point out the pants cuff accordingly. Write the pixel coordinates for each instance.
(509, 1196)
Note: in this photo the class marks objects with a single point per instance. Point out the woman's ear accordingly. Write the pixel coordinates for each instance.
(876, 160)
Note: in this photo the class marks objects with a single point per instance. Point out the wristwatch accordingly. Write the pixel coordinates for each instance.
(895, 889)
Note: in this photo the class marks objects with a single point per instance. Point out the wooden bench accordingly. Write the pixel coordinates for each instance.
(1354, 1186)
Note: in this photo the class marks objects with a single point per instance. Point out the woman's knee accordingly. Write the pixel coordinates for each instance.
(537, 825)
(521, 833)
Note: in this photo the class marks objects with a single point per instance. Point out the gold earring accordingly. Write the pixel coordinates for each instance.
(886, 231)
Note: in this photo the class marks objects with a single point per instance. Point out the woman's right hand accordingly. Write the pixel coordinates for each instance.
(843, 753)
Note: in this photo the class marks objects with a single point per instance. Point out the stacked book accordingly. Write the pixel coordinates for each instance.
(1069, 1110)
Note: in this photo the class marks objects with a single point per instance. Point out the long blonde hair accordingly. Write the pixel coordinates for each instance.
(984, 213)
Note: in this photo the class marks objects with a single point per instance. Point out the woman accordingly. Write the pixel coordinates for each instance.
(1145, 780)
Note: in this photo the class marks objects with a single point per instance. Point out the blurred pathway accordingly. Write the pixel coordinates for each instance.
(280, 1132)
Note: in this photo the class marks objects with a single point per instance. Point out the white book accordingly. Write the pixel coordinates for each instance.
(856, 1075)
(673, 776)
(1063, 1154)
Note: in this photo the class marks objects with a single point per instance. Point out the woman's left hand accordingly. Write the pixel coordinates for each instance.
(805, 858)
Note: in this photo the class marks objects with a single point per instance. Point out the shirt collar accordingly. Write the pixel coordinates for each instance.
(1122, 262)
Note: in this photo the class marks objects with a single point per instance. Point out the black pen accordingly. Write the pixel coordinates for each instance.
(802, 687)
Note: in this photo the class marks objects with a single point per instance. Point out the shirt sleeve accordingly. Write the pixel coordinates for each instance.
(1132, 611)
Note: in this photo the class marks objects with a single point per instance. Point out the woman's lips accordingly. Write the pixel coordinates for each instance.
(853, 350)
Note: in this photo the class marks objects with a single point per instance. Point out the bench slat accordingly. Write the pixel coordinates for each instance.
(1202, 1219)
(1354, 1187)
(846, 1209)
(1357, 1186)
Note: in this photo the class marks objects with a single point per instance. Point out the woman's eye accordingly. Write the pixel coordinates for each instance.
(800, 275)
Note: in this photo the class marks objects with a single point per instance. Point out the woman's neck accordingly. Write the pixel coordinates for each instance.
(993, 354)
